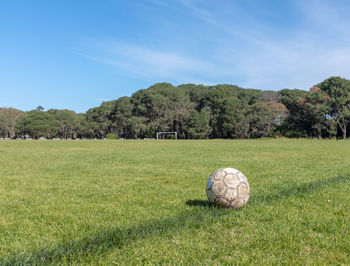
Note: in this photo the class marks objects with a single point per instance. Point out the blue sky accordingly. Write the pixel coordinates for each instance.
(76, 54)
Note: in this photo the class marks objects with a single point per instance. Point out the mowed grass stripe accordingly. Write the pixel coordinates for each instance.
(99, 202)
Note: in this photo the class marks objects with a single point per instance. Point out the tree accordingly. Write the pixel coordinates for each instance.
(313, 108)
(197, 111)
(40, 108)
(294, 124)
(38, 124)
(8, 120)
(82, 128)
(338, 103)
(267, 114)
(3, 132)
(163, 107)
(197, 125)
(269, 96)
(261, 118)
(120, 115)
(67, 122)
(98, 120)
(233, 119)
(135, 126)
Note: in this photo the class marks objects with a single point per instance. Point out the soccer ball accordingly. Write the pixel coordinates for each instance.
(228, 187)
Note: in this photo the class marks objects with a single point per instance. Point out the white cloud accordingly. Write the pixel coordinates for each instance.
(149, 64)
(245, 50)
(304, 57)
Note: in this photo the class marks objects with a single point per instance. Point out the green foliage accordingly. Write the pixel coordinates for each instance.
(197, 126)
(197, 111)
(294, 125)
(8, 119)
(38, 124)
(262, 118)
(270, 96)
(338, 102)
(111, 136)
(163, 107)
(67, 122)
(98, 121)
(120, 114)
(51, 124)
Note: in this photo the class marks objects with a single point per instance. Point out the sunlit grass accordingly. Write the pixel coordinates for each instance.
(104, 202)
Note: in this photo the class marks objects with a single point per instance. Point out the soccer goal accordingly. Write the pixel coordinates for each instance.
(161, 135)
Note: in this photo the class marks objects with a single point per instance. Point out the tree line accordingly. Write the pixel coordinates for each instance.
(196, 112)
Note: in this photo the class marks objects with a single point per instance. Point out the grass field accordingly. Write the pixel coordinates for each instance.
(144, 202)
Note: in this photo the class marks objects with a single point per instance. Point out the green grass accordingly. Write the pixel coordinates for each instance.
(144, 202)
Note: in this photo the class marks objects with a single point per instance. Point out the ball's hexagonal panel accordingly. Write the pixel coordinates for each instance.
(218, 175)
(228, 178)
(231, 171)
(231, 194)
(219, 187)
(228, 187)
(243, 190)
(231, 180)
(237, 203)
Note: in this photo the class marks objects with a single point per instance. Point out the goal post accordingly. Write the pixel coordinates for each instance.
(161, 134)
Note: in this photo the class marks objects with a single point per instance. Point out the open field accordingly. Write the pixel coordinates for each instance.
(124, 202)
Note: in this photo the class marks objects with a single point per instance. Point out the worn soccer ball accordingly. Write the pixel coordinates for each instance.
(228, 187)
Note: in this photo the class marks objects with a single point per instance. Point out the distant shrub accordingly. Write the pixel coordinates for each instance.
(111, 136)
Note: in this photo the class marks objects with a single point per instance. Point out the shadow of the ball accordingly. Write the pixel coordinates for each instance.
(208, 204)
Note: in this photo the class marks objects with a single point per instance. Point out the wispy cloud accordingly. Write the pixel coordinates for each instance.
(241, 46)
(150, 63)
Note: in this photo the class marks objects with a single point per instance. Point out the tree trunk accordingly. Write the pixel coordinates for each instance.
(342, 127)
(12, 133)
